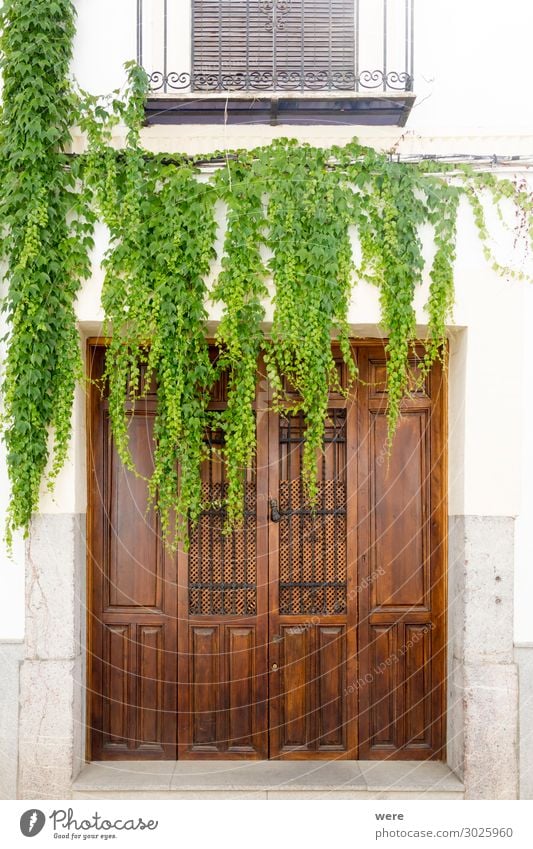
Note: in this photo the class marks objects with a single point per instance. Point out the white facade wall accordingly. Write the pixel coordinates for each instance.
(469, 69)
(471, 61)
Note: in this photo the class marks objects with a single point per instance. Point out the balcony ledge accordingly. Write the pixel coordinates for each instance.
(308, 108)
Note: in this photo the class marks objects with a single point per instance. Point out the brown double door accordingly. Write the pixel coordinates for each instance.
(305, 634)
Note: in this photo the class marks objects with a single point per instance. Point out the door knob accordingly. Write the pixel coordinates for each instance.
(274, 667)
(275, 515)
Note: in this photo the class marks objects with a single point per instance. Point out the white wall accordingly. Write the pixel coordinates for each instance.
(524, 523)
(11, 570)
(105, 40)
(472, 59)
(491, 309)
(471, 62)
(11, 563)
(472, 66)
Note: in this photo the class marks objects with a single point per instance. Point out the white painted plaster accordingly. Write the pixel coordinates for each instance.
(470, 58)
(105, 40)
(524, 523)
(481, 428)
(470, 63)
(467, 103)
(11, 562)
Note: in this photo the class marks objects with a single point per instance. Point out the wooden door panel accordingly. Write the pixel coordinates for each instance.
(132, 692)
(383, 691)
(133, 567)
(150, 696)
(240, 653)
(132, 587)
(117, 663)
(401, 532)
(223, 613)
(331, 687)
(400, 690)
(206, 708)
(223, 691)
(417, 675)
(295, 692)
(312, 589)
(309, 690)
(399, 497)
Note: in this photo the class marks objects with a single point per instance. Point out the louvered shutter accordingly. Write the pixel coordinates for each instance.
(264, 44)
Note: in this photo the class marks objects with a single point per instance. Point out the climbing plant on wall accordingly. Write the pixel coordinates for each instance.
(312, 221)
(45, 238)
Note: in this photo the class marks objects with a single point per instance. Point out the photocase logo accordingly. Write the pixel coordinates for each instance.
(32, 822)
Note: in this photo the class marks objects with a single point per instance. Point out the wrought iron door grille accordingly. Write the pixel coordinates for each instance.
(312, 542)
(280, 45)
(222, 567)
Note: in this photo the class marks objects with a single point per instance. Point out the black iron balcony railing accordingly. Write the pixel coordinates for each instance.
(210, 46)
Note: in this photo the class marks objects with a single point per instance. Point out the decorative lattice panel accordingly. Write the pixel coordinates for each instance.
(312, 540)
(222, 568)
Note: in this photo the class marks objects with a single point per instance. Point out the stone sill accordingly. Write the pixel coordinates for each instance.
(267, 780)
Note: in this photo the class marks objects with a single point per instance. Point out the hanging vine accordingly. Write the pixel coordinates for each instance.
(241, 289)
(308, 219)
(327, 218)
(162, 230)
(390, 214)
(45, 238)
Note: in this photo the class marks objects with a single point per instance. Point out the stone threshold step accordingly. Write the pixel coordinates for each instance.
(267, 780)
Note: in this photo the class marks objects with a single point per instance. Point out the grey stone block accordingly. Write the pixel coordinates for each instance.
(267, 779)
(55, 561)
(456, 625)
(46, 735)
(488, 589)
(318, 795)
(482, 683)
(409, 776)
(268, 775)
(491, 731)
(524, 659)
(10, 657)
(127, 776)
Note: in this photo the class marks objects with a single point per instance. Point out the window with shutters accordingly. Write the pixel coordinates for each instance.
(273, 44)
(279, 61)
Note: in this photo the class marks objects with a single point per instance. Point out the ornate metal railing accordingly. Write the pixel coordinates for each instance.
(276, 45)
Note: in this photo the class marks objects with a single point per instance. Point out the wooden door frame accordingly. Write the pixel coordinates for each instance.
(441, 516)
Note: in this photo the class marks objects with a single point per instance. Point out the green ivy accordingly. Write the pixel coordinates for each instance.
(241, 289)
(313, 220)
(308, 220)
(162, 230)
(45, 239)
(392, 216)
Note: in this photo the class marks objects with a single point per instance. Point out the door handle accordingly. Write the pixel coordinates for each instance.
(275, 515)
(277, 638)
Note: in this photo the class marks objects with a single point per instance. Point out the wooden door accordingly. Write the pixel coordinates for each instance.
(132, 587)
(312, 578)
(223, 613)
(402, 577)
(303, 635)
